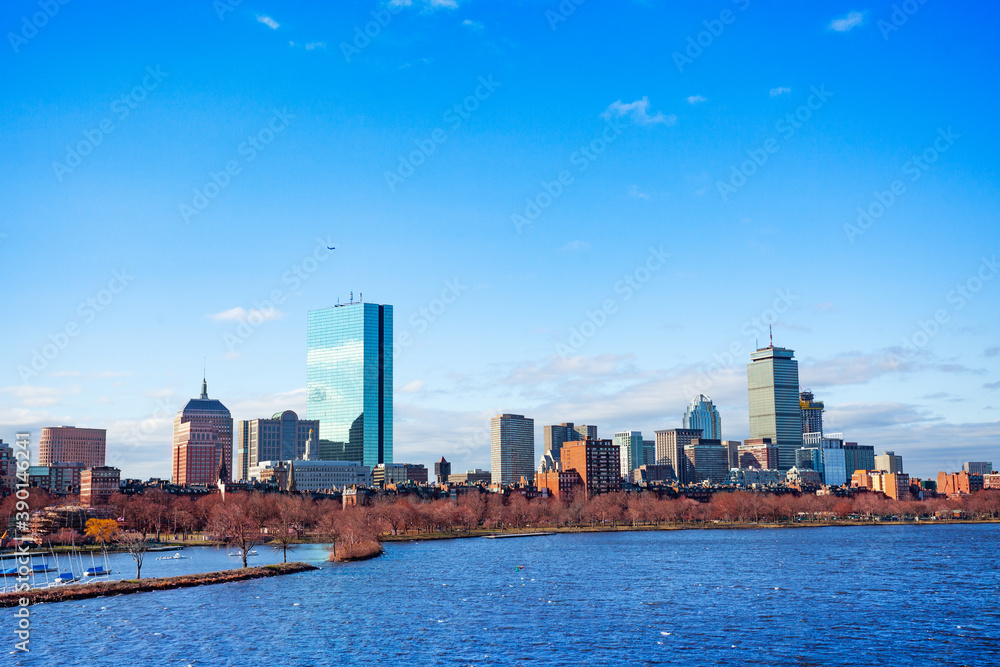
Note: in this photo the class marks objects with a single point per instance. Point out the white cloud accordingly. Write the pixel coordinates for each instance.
(696, 99)
(311, 46)
(576, 246)
(782, 90)
(638, 111)
(268, 21)
(634, 191)
(426, 5)
(473, 25)
(412, 387)
(31, 396)
(241, 314)
(852, 20)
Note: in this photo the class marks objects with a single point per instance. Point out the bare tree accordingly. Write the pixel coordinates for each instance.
(136, 544)
(237, 523)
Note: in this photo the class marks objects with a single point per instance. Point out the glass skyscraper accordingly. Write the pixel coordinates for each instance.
(701, 413)
(773, 382)
(349, 381)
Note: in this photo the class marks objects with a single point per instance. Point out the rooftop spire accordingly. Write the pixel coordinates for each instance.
(204, 388)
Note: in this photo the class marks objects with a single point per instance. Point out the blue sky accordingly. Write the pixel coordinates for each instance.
(715, 154)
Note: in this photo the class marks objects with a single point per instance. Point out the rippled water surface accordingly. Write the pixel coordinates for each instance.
(893, 595)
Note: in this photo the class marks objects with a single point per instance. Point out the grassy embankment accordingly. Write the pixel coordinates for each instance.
(85, 591)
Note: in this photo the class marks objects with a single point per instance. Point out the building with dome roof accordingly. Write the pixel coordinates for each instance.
(283, 437)
(203, 442)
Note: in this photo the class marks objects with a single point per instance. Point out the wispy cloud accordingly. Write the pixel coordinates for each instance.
(311, 46)
(992, 351)
(473, 25)
(412, 387)
(781, 90)
(240, 314)
(576, 246)
(426, 5)
(268, 21)
(634, 191)
(696, 99)
(638, 111)
(849, 22)
(991, 385)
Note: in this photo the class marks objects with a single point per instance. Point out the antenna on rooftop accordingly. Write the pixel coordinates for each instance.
(352, 296)
(770, 330)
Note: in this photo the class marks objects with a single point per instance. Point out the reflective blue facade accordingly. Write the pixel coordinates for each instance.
(349, 381)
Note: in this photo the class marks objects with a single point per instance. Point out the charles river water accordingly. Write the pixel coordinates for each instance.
(880, 595)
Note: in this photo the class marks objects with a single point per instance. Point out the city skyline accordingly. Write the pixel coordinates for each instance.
(167, 243)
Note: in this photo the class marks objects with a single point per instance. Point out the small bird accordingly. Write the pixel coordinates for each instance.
(330, 248)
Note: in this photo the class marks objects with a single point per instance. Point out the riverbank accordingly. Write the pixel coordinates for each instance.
(85, 591)
(721, 525)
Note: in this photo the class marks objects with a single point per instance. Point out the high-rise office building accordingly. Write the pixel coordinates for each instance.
(733, 451)
(889, 462)
(828, 457)
(670, 444)
(512, 448)
(557, 434)
(203, 441)
(649, 452)
(630, 451)
(773, 384)
(702, 414)
(68, 444)
(281, 438)
(811, 411)
(349, 381)
(978, 467)
(858, 457)
(707, 461)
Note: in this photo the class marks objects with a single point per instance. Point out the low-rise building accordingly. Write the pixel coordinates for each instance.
(760, 453)
(992, 481)
(802, 477)
(97, 484)
(754, 477)
(959, 483)
(476, 476)
(59, 478)
(653, 474)
(596, 461)
(398, 473)
(560, 485)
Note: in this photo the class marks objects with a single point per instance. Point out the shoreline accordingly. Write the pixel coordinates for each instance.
(85, 591)
(668, 527)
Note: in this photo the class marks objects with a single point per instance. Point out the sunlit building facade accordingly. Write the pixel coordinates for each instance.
(203, 442)
(702, 414)
(349, 382)
(775, 413)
